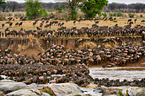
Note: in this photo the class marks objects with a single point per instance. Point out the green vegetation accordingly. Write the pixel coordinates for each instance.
(2, 2)
(34, 10)
(119, 14)
(114, 20)
(48, 92)
(120, 92)
(131, 15)
(73, 4)
(77, 95)
(104, 14)
(110, 14)
(141, 15)
(59, 9)
(92, 7)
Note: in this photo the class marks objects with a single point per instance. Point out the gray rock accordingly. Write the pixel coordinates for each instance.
(39, 93)
(91, 91)
(65, 89)
(22, 92)
(134, 91)
(32, 86)
(8, 86)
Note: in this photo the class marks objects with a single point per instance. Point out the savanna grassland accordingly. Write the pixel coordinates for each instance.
(28, 24)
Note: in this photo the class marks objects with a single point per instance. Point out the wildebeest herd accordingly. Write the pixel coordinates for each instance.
(94, 31)
(72, 64)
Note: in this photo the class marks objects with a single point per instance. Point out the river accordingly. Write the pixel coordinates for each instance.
(129, 73)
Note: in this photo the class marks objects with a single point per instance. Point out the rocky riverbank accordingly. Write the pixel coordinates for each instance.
(12, 88)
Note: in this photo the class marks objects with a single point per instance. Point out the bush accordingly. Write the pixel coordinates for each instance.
(19, 15)
(114, 14)
(73, 14)
(104, 14)
(9, 14)
(50, 10)
(44, 13)
(110, 14)
(114, 20)
(59, 9)
(131, 15)
(119, 14)
(141, 15)
(33, 9)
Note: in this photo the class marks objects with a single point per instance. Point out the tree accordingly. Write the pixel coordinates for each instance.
(92, 7)
(33, 9)
(72, 5)
(59, 9)
(12, 5)
(2, 2)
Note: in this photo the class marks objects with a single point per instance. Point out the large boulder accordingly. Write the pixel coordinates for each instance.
(8, 86)
(22, 92)
(134, 91)
(27, 92)
(65, 89)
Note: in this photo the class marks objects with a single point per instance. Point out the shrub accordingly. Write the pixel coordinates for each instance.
(73, 14)
(141, 15)
(110, 14)
(59, 9)
(33, 9)
(44, 13)
(131, 15)
(114, 20)
(119, 14)
(9, 14)
(114, 14)
(104, 14)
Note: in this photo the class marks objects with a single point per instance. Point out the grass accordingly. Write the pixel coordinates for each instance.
(28, 25)
(48, 90)
(88, 44)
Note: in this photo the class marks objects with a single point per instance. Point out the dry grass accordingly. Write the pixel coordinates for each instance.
(28, 25)
(88, 44)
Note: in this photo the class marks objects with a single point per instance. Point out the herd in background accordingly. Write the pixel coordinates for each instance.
(94, 31)
(48, 22)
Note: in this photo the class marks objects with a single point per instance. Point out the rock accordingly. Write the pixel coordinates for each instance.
(101, 90)
(91, 85)
(22, 92)
(32, 86)
(134, 91)
(52, 81)
(8, 86)
(91, 91)
(65, 89)
(39, 93)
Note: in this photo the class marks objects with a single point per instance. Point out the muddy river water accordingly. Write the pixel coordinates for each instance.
(129, 73)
